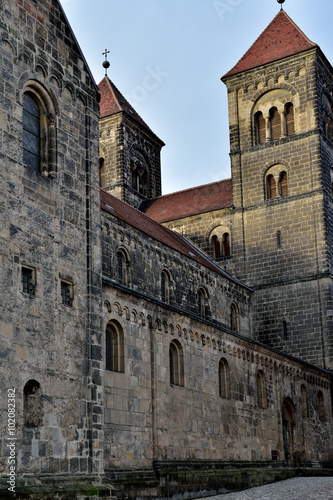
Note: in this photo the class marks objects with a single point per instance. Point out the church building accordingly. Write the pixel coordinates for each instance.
(161, 346)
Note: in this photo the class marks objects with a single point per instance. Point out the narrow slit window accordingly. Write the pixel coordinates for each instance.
(224, 379)
(165, 287)
(278, 239)
(234, 318)
(261, 389)
(122, 268)
(321, 407)
(102, 172)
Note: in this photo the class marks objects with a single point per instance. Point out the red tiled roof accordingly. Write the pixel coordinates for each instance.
(143, 223)
(189, 202)
(281, 38)
(112, 102)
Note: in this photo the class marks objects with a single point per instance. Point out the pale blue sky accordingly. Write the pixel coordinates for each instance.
(167, 58)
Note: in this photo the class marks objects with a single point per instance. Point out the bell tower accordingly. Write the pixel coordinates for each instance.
(281, 133)
(130, 165)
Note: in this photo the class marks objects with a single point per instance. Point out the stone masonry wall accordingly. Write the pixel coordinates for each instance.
(45, 345)
(148, 418)
(148, 258)
(121, 140)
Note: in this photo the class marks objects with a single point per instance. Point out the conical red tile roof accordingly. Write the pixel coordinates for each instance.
(281, 38)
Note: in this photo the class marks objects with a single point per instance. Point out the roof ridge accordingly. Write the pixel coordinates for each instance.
(297, 27)
(200, 258)
(189, 189)
(267, 49)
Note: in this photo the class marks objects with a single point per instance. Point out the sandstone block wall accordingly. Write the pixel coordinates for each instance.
(148, 258)
(147, 417)
(43, 227)
(121, 142)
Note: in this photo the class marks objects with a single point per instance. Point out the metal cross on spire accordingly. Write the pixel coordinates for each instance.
(281, 2)
(106, 63)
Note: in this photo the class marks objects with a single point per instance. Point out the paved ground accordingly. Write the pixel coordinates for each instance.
(300, 488)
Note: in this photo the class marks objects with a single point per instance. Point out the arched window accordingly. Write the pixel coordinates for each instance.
(202, 303)
(31, 133)
(140, 174)
(216, 247)
(114, 348)
(261, 389)
(283, 184)
(102, 172)
(122, 268)
(321, 406)
(226, 245)
(32, 408)
(284, 329)
(275, 123)
(39, 130)
(224, 379)
(271, 186)
(290, 122)
(304, 402)
(234, 317)
(165, 287)
(260, 127)
(176, 363)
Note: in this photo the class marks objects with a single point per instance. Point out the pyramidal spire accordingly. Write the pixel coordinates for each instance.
(281, 38)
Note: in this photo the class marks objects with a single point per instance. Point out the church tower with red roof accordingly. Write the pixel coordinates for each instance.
(281, 148)
(130, 164)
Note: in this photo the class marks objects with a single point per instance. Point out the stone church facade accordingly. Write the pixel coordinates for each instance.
(138, 361)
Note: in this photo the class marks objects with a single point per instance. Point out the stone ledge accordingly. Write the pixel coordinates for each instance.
(177, 479)
(60, 486)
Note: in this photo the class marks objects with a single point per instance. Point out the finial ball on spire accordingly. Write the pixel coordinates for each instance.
(106, 63)
(281, 1)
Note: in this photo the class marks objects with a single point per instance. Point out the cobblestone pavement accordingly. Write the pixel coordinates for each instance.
(300, 488)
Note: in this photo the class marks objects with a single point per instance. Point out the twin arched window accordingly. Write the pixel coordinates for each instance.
(39, 130)
(221, 248)
(176, 363)
(275, 125)
(114, 348)
(140, 174)
(276, 188)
